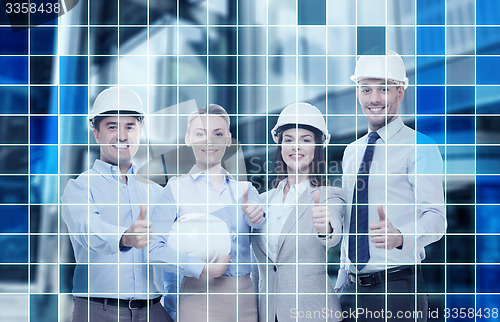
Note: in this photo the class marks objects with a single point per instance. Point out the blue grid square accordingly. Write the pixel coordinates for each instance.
(17, 42)
(460, 130)
(430, 12)
(43, 159)
(460, 99)
(431, 41)
(455, 302)
(371, 39)
(487, 187)
(460, 160)
(74, 130)
(430, 71)
(487, 12)
(460, 278)
(488, 249)
(312, 12)
(43, 130)
(487, 41)
(14, 249)
(73, 69)
(14, 70)
(14, 219)
(488, 160)
(488, 278)
(484, 68)
(43, 189)
(43, 41)
(430, 100)
(486, 223)
(15, 99)
(433, 127)
(74, 99)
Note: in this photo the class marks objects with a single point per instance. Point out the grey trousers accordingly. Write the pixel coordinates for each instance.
(89, 311)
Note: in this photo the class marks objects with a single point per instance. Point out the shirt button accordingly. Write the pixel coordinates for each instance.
(137, 269)
(275, 268)
(124, 186)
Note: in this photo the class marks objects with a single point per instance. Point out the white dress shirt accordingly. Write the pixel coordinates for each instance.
(279, 210)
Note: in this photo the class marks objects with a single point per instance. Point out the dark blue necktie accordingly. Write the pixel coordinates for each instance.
(358, 229)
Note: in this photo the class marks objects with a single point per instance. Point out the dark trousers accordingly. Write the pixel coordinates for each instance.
(90, 311)
(394, 299)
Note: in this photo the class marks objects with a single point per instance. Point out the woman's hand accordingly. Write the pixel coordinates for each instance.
(320, 216)
(253, 211)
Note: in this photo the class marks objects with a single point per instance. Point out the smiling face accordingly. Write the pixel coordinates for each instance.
(119, 138)
(297, 150)
(379, 101)
(209, 137)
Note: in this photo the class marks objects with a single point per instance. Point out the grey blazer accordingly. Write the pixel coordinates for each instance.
(280, 281)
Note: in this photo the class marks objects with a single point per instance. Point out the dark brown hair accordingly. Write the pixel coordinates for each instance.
(96, 122)
(317, 172)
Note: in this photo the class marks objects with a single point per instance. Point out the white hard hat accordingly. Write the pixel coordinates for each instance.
(302, 114)
(116, 99)
(200, 235)
(389, 66)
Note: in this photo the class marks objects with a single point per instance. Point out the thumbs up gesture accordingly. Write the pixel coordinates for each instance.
(320, 216)
(139, 234)
(253, 211)
(383, 233)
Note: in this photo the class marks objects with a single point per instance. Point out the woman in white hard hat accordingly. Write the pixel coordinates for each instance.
(209, 189)
(304, 219)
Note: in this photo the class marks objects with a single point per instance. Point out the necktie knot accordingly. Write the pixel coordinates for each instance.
(373, 137)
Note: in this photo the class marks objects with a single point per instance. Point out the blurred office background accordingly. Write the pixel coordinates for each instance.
(253, 57)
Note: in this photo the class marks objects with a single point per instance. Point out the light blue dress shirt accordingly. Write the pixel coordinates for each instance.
(193, 193)
(406, 178)
(98, 207)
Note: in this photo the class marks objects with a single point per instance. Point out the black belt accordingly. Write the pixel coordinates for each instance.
(375, 278)
(131, 304)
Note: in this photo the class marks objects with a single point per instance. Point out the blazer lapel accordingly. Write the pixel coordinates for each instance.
(260, 239)
(305, 201)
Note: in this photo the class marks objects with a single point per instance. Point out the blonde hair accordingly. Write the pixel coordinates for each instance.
(211, 109)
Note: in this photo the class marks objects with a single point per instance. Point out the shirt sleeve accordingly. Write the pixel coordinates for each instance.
(253, 196)
(169, 259)
(426, 179)
(79, 210)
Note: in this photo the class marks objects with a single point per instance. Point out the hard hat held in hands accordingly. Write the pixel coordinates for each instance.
(302, 114)
(388, 67)
(200, 235)
(116, 99)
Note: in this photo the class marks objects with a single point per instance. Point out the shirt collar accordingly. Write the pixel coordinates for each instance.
(196, 172)
(389, 130)
(301, 187)
(106, 168)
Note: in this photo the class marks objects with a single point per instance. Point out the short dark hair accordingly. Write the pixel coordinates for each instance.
(96, 121)
(317, 175)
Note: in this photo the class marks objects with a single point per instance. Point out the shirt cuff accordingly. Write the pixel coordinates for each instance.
(121, 247)
(408, 233)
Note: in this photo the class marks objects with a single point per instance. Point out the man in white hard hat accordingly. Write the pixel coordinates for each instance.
(393, 185)
(104, 209)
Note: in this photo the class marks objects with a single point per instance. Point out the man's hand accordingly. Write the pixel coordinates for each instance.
(384, 234)
(253, 211)
(217, 268)
(139, 234)
(320, 216)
